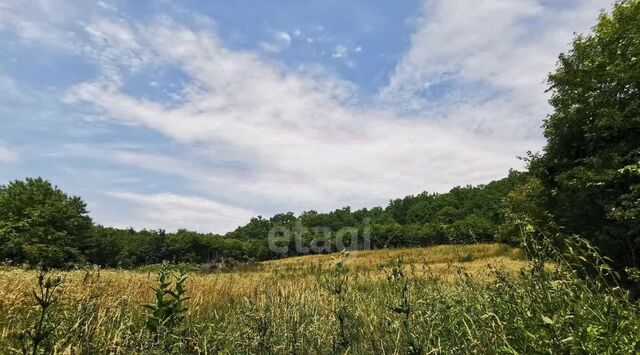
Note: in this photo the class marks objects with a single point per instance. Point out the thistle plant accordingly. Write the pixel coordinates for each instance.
(400, 283)
(38, 339)
(337, 284)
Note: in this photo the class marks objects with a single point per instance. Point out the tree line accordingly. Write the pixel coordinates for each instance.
(585, 182)
(40, 224)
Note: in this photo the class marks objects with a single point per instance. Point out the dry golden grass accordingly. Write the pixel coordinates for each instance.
(429, 255)
(116, 295)
(463, 299)
(134, 287)
(443, 262)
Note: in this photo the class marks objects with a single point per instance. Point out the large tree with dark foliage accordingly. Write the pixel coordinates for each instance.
(589, 171)
(40, 224)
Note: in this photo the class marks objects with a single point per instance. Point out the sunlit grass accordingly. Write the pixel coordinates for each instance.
(463, 299)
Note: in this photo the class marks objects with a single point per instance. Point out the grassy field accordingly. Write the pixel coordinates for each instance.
(447, 299)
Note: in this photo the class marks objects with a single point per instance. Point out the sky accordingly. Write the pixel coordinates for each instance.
(202, 114)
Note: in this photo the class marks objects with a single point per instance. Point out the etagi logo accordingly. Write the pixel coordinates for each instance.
(317, 240)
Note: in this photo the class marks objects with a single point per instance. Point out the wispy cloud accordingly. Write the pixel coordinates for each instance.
(280, 40)
(47, 23)
(339, 52)
(463, 101)
(307, 147)
(172, 212)
(115, 49)
(7, 155)
(488, 65)
(11, 90)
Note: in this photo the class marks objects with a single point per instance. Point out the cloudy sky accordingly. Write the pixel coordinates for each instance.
(206, 113)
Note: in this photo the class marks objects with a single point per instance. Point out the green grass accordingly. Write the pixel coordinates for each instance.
(445, 299)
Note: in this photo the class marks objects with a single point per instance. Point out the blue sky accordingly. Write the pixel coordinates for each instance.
(201, 114)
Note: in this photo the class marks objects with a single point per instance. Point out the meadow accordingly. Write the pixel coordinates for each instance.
(484, 298)
(429, 287)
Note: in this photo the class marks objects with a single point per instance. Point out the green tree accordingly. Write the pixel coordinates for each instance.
(40, 224)
(587, 169)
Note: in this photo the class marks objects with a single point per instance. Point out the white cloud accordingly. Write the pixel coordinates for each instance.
(194, 170)
(10, 89)
(170, 211)
(115, 48)
(501, 49)
(62, 26)
(302, 141)
(280, 41)
(45, 22)
(306, 146)
(342, 53)
(339, 52)
(7, 155)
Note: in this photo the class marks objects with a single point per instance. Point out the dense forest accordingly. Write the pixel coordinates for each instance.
(585, 182)
(42, 224)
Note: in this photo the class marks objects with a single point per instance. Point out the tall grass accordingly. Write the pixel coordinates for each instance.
(451, 300)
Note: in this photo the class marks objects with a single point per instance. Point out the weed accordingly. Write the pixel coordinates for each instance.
(400, 284)
(337, 283)
(168, 309)
(40, 337)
